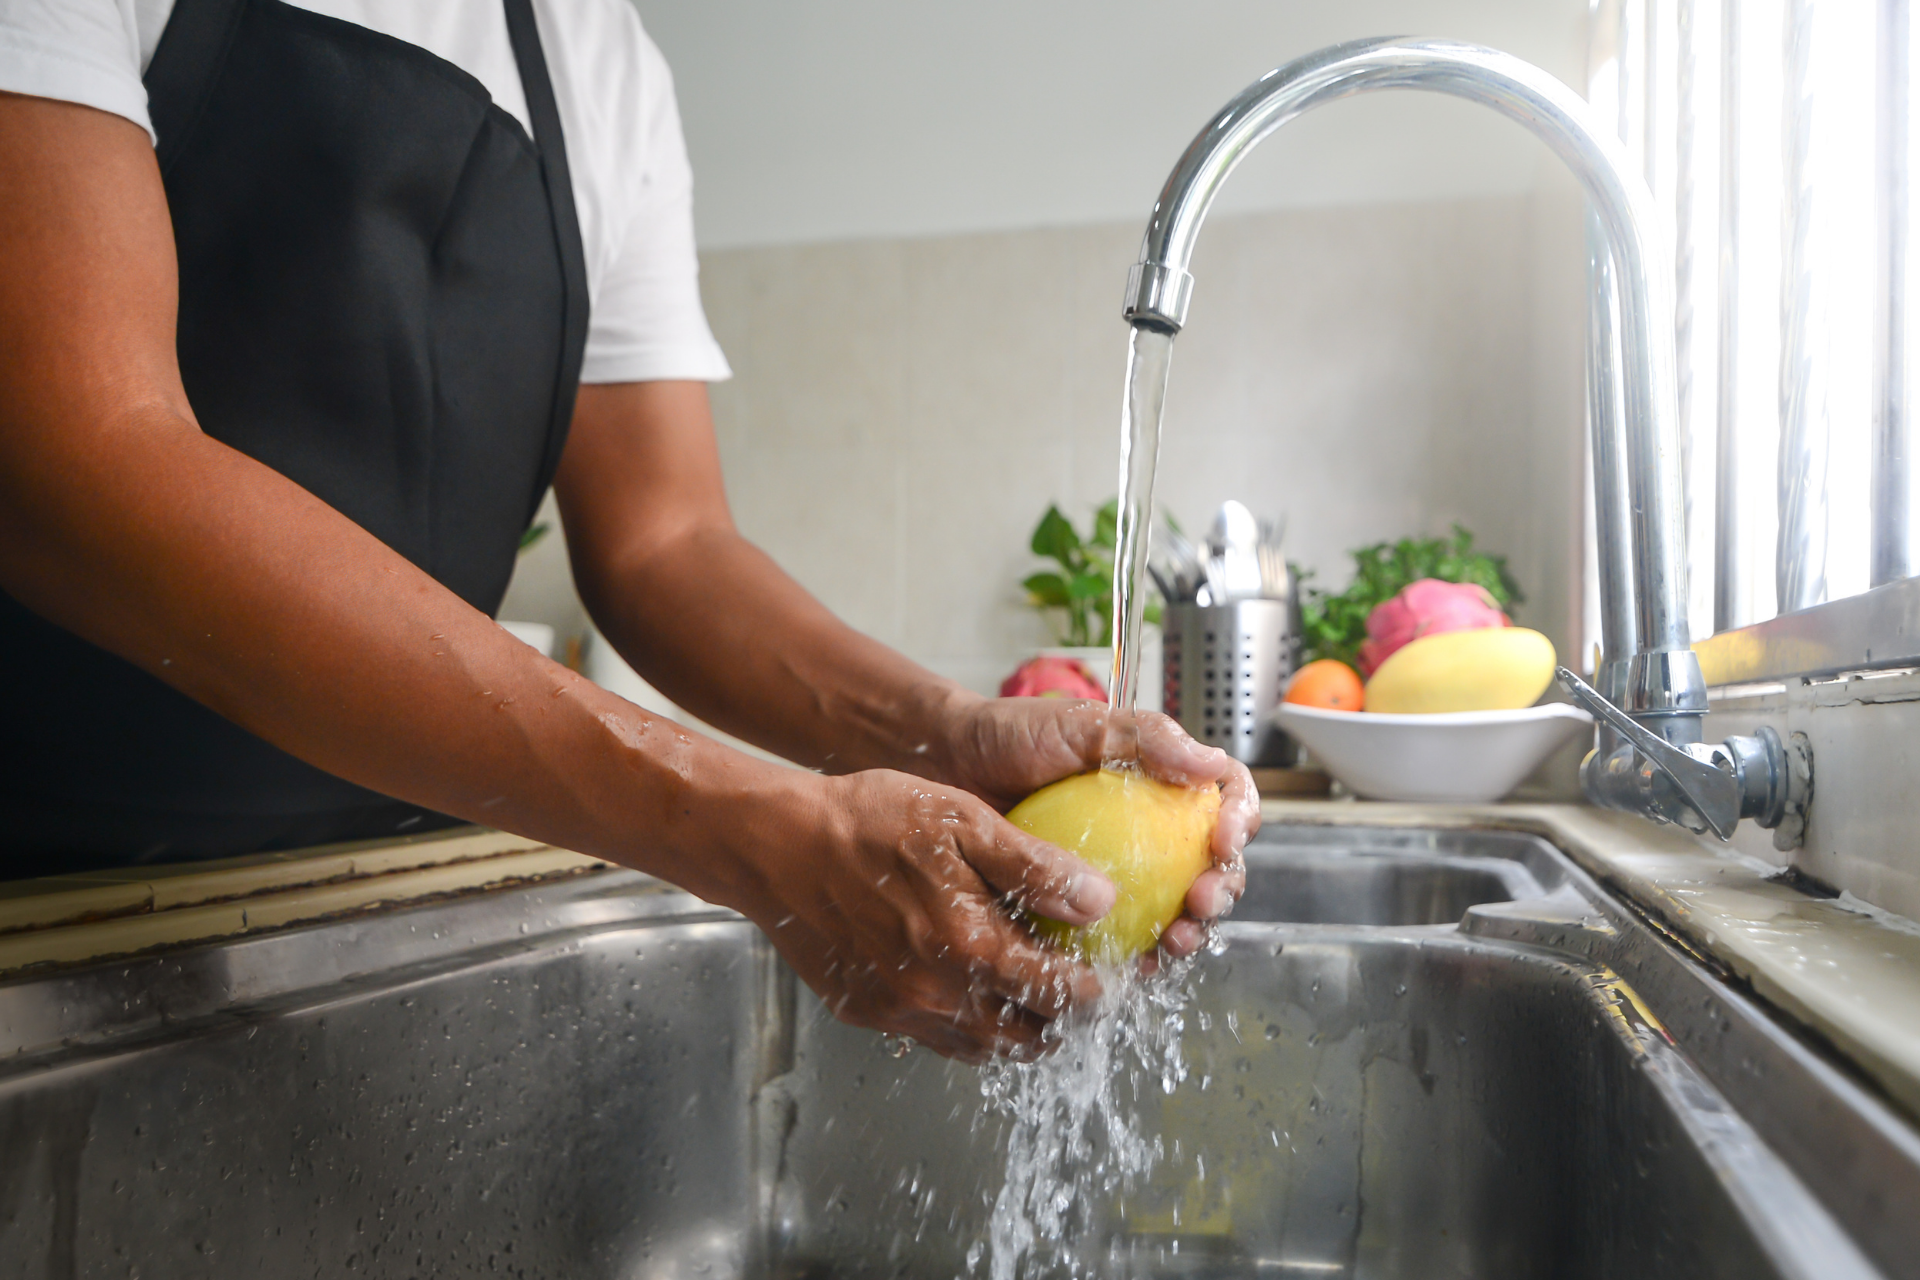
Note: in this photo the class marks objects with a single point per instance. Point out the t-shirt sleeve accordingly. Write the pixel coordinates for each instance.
(647, 321)
(84, 51)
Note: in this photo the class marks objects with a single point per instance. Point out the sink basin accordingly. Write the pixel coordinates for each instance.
(1385, 1110)
(1416, 1057)
(1308, 875)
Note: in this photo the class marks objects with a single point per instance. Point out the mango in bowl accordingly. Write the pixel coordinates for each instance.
(1486, 669)
(1149, 837)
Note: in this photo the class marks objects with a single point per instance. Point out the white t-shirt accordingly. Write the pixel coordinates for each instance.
(631, 183)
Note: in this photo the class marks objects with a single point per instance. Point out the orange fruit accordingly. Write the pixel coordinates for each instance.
(1328, 683)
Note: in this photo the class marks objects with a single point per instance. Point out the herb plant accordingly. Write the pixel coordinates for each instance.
(1082, 587)
(1334, 625)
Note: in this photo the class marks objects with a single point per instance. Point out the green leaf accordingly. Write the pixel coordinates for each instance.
(534, 534)
(1334, 626)
(1106, 525)
(1054, 537)
(1048, 590)
(1090, 586)
(1083, 587)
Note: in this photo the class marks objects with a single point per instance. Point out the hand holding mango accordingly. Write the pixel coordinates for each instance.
(1151, 838)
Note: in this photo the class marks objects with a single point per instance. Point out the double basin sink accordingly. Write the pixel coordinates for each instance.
(1420, 1053)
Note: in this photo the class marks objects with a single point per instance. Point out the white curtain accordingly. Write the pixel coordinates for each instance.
(1773, 134)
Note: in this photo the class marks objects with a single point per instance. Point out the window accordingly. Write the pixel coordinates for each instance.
(1775, 137)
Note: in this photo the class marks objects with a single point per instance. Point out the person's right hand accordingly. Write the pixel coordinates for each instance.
(889, 895)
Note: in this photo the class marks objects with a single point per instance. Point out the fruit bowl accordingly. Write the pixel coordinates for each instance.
(1463, 757)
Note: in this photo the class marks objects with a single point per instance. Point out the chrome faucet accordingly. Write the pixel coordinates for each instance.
(1650, 758)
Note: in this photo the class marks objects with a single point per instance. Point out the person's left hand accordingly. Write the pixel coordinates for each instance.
(1004, 749)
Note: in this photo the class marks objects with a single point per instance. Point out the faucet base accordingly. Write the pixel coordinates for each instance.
(1696, 785)
(1666, 692)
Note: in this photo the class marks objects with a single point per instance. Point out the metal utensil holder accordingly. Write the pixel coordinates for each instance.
(1226, 668)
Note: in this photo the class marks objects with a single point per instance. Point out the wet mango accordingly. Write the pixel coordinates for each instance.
(1149, 837)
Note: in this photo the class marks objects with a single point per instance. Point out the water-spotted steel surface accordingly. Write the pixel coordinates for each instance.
(1421, 1054)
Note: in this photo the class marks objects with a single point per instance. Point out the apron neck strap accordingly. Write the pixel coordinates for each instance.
(547, 135)
(185, 67)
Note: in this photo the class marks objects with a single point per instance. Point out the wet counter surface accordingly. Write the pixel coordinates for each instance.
(1434, 1045)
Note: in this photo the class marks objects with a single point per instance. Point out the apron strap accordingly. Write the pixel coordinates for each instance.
(547, 136)
(186, 67)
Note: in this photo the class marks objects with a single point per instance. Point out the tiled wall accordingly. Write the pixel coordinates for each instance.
(904, 410)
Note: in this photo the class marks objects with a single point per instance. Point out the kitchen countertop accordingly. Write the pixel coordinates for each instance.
(97, 914)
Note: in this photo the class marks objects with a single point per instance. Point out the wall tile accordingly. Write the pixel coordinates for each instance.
(1097, 357)
(985, 443)
(812, 456)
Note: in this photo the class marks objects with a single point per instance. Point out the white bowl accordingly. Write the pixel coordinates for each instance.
(1463, 757)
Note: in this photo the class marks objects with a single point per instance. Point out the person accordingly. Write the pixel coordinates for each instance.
(303, 307)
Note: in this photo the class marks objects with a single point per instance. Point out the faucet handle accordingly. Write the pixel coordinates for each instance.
(1697, 786)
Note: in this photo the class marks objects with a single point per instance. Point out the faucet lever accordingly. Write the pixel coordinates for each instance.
(1695, 786)
(1702, 786)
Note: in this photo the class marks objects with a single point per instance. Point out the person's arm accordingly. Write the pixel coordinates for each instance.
(710, 620)
(123, 522)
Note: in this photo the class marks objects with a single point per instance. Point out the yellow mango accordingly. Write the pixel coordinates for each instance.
(1149, 837)
(1488, 669)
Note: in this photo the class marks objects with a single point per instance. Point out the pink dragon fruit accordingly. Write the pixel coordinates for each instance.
(1052, 678)
(1426, 608)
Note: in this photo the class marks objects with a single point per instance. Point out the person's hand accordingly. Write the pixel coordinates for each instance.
(1004, 749)
(889, 895)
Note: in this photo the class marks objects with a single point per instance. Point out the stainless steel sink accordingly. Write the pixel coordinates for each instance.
(1324, 875)
(1516, 1077)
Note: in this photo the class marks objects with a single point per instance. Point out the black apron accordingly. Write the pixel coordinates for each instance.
(383, 297)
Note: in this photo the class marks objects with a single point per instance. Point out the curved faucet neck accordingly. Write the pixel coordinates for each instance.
(1659, 681)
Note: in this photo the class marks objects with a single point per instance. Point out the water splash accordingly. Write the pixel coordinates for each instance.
(1076, 1143)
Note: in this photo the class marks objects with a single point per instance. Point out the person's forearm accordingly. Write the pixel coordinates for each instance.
(718, 627)
(242, 590)
(710, 619)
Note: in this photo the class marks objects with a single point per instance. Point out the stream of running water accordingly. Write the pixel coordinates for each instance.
(1076, 1143)
(1149, 357)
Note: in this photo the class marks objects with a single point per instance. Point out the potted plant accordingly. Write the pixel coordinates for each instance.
(1075, 592)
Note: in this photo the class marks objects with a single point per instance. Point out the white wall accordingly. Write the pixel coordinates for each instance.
(894, 432)
(842, 119)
